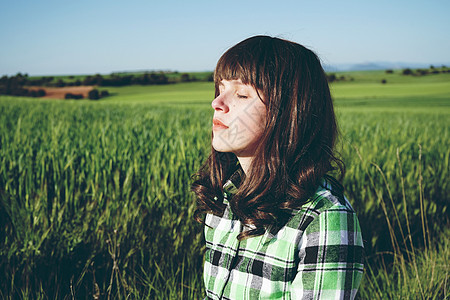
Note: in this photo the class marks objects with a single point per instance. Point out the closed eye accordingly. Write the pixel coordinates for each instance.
(242, 96)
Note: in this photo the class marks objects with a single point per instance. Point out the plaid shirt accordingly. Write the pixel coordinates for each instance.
(317, 254)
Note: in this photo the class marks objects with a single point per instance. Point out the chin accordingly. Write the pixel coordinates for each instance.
(221, 147)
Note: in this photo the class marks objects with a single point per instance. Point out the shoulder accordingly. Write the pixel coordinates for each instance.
(330, 228)
(330, 250)
(326, 198)
(328, 205)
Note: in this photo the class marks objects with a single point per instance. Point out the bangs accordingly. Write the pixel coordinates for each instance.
(245, 61)
(233, 67)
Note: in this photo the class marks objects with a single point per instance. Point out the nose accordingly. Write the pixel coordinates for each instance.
(219, 104)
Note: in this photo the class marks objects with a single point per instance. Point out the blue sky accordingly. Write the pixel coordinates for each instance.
(83, 37)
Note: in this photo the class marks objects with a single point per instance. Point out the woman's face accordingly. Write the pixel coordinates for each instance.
(239, 118)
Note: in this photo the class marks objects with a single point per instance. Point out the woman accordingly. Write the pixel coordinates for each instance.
(277, 224)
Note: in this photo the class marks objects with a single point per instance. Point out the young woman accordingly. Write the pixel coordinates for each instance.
(277, 224)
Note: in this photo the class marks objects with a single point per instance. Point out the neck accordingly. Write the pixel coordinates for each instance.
(245, 163)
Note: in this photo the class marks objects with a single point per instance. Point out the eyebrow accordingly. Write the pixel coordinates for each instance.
(233, 82)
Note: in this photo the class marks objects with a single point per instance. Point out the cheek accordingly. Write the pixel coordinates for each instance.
(255, 124)
(256, 114)
(258, 117)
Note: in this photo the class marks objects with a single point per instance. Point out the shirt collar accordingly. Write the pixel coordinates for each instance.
(232, 184)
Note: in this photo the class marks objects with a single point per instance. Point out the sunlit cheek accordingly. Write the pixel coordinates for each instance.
(254, 113)
(256, 122)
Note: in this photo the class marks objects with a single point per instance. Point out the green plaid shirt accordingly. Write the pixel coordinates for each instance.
(317, 254)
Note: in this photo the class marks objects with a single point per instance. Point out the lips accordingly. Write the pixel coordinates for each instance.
(218, 124)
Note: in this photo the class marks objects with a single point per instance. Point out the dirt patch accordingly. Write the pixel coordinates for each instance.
(60, 92)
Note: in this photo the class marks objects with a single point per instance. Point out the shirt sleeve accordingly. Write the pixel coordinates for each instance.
(331, 257)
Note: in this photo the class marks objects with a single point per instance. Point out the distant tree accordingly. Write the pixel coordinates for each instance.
(4, 79)
(98, 79)
(104, 93)
(331, 77)
(210, 77)
(36, 93)
(117, 80)
(422, 72)
(19, 79)
(88, 80)
(407, 71)
(383, 81)
(41, 93)
(93, 94)
(161, 78)
(389, 71)
(185, 77)
(73, 96)
(60, 83)
(18, 91)
(145, 79)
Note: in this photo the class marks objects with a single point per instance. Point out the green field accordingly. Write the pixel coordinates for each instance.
(95, 195)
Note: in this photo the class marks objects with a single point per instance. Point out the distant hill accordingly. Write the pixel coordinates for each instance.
(367, 66)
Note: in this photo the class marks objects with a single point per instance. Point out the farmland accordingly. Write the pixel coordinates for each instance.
(95, 196)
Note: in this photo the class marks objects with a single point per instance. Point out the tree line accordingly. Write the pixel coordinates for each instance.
(422, 72)
(14, 86)
(17, 85)
(114, 79)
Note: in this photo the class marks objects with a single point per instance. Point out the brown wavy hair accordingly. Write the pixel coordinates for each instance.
(296, 148)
